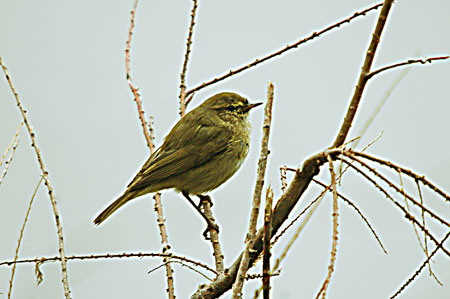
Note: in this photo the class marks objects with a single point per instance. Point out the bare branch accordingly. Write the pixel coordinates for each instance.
(149, 137)
(323, 289)
(285, 49)
(350, 203)
(427, 261)
(134, 90)
(408, 172)
(357, 95)
(165, 242)
(9, 160)
(284, 206)
(139, 255)
(183, 265)
(214, 234)
(19, 241)
(397, 204)
(409, 61)
(182, 96)
(266, 240)
(249, 240)
(65, 280)
(11, 144)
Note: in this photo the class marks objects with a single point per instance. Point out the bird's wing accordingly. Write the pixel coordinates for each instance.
(172, 160)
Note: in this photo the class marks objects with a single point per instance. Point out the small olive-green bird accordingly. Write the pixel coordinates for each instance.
(203, 150)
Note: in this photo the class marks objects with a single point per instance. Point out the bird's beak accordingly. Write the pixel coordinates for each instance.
(250, 106)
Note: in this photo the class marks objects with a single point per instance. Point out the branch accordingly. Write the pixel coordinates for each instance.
(426, 262)
(182, 96)
(284, 206)
(19, 241)
(350, 203)
(65, 280)
(133, 89)
(249, 240)
(408, 172)
(109, 256)
(357, 95)
(149, 137)
(11, 144)
(9, 160)
(398, 190)
(323, 289)
(279, 52)
(409, 61)
(266, 245)
(407, 215)
(214, 234)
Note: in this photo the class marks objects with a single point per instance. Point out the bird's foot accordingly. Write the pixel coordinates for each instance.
(207, 232)
(204, 199)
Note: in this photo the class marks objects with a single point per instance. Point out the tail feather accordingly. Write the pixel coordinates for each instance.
(127, 196)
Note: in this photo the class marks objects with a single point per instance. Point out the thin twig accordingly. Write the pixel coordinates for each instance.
(312, 207)
(214, 234)
(350, 203)
(285, 49)
(9, 160)
(11, 144)
(397, 204)
(165, 242)
(397, 189)
(425, 236)
(427, 261)
(249, 240)
(65, 280)
(134, 90)
(149, 137)
(139, 255)
(182, 264)
(409, 61)
(19, 241)
(357, 95)
(408, 172)
(402, 190)
(182, 96)
(266, 243)
(323, 289)
(380, 104)
(345, 199)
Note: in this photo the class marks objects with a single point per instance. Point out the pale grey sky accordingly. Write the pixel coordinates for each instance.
(67, 62)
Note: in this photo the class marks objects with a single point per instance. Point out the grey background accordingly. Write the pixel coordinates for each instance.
(67, 62)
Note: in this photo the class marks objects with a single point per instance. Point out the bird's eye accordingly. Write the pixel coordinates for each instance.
(231, 108)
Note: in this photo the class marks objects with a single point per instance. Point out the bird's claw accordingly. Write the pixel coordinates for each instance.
(207, 232)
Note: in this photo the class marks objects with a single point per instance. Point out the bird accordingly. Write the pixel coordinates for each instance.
(202, 151)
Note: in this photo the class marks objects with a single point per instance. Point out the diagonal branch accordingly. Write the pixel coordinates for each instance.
(285, 49)
(357, 95)
(408, 172)
(284, 206)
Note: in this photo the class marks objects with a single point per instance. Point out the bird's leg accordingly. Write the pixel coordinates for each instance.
(211, 225)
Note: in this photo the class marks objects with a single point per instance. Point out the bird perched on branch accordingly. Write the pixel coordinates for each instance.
(202, 151)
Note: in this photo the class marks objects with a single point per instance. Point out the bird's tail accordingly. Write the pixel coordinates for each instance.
(114, 206)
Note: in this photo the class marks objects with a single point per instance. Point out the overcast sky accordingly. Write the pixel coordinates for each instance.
(66, 59)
